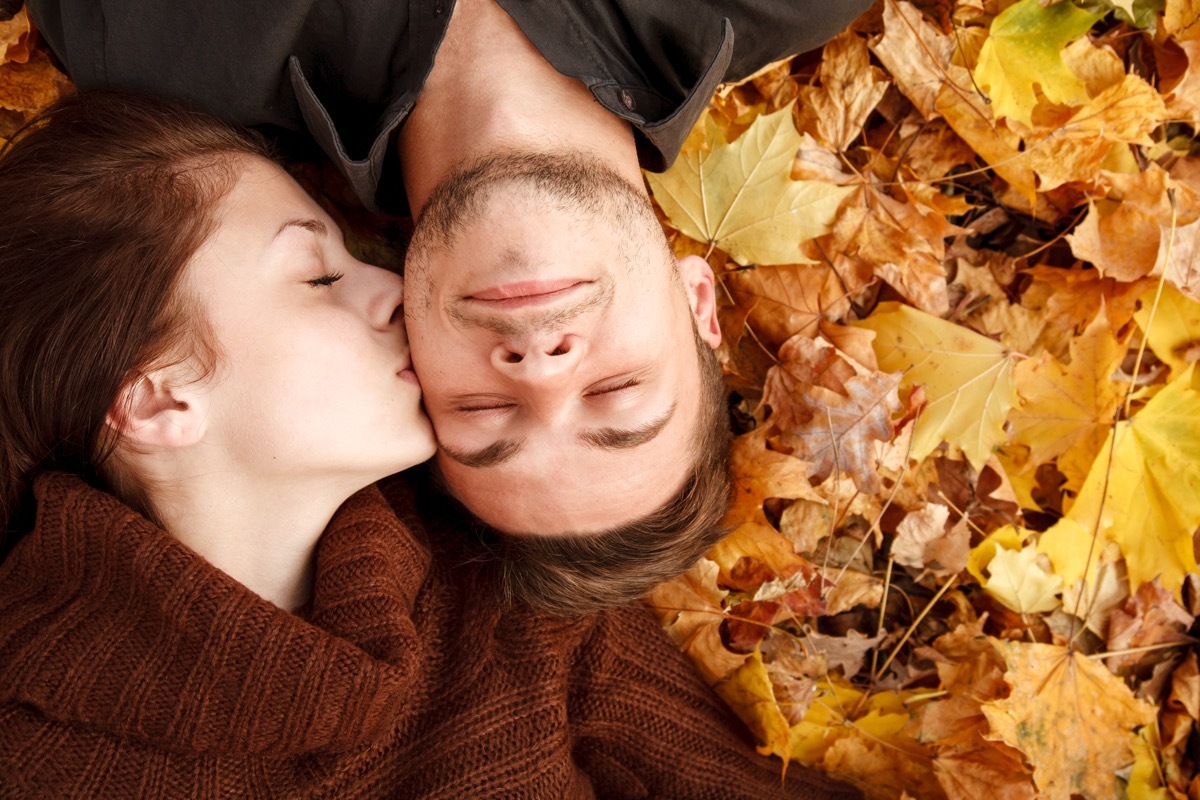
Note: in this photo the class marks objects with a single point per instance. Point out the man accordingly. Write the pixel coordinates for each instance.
(565, 355)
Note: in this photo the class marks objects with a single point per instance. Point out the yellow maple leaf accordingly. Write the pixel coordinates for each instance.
(1147, 499)
(1024, 49)
(1174, 331)
(968, 379)
(740, 195)
(1006, 537)
(749, 692)
(1072, 719)
(1066, 410)
(1019, 583)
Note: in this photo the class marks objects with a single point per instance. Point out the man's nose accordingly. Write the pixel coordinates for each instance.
(539, 356)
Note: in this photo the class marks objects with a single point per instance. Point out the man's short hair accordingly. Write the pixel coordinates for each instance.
(578, 573)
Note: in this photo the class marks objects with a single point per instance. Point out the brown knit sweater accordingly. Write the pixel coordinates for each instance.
(132, 668)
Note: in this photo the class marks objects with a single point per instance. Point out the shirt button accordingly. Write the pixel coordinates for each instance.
(627, 100)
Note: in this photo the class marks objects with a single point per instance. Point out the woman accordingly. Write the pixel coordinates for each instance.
(200, 597)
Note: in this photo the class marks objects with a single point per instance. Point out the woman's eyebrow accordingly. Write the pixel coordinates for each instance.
(307, 223)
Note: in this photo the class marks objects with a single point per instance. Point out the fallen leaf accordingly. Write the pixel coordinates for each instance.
(14, 36)
(1066, 411)
(786, 300)
(1148, 499)
(1017, 581)
(751, 695)
(1072, 719)
(1151, 616)
(916, 531)
(832, 423)
(967, 379)
(849, 90)
(739, 195)
(1121, 235)
(31, 86)
(1171, 324)
(1024, 50)
(915, 53)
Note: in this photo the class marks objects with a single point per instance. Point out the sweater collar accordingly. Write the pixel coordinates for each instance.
(106, 621)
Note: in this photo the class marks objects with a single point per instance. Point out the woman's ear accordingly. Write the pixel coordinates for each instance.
(700, 285)
(164, 407)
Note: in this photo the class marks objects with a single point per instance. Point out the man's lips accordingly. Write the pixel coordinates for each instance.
(527, 293)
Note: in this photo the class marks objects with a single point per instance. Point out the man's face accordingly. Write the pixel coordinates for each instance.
(553, 337)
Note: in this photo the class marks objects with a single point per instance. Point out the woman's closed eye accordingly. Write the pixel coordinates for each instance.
(328, 279)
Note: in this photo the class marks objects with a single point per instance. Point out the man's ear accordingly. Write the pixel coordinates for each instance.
(700, 285)
(164, 407)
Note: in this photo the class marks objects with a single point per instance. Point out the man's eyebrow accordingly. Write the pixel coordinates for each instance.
(495, 453)
(617, 439)
(308, 224)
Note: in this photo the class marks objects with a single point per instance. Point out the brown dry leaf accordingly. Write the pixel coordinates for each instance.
(1121, 235)
(1179, 259)
(1075, 149)
(849, 90)
(932, 150)
(1152, 616)
(32, 86)
(916, 531)
(845, 653)
(833, 416)
(1183, 92)
(849, 589)
(14, 38)
(1073, 297)
(915, 53)
(689, 608)
(1185, 687)
(996, 773)
(986, 307)
(898, 243)
(787, 300)
(759, 473)
(1071, 718)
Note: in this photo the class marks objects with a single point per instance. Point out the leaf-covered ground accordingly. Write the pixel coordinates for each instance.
(959, 259)
(958, 252)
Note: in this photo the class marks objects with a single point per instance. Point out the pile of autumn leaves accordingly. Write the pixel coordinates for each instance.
(959, 257)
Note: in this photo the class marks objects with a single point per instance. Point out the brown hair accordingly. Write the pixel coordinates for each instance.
(103, 201)
(577, 574)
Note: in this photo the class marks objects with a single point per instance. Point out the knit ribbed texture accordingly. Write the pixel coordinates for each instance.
(130, 667)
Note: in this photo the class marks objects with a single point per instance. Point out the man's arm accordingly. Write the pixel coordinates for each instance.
(646, 725)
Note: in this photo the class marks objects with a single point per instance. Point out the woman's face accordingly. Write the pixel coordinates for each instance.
(313, 375)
